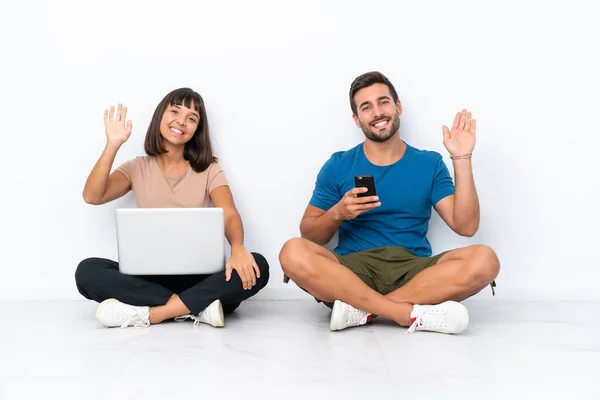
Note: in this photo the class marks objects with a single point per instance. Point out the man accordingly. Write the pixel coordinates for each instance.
(383, 264)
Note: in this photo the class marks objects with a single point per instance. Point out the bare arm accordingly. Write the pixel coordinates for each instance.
(461, 210)
(319, 226)
(234, 230)
(241, 259)
(101, 187)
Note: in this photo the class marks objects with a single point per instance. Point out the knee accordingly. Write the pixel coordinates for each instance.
(86, 274)
(483, 266)
(263, 267)
(293, 258)
(85, 271)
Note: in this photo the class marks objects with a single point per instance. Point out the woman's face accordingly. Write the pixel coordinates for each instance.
(179, 124)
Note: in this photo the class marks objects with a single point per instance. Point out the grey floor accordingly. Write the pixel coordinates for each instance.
(283, 349)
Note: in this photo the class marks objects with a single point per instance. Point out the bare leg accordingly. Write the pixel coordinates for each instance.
(173, 308)
(457, 275)
(318, 271)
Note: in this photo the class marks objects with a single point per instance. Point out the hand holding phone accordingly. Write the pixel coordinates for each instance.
(358, 200)
(365, 181)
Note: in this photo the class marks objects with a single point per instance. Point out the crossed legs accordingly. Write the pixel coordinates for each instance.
(457, 275)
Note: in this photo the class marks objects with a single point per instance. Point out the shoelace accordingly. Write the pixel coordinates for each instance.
(422, 319)
(133, 316)
(197, 320)
(356, 316)
(413, 327)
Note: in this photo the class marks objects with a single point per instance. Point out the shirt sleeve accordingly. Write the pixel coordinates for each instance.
(127, 168)
(216, 177)
(443, 185)
(326, 193)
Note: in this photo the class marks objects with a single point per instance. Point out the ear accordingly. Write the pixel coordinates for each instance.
(356, 120)
(399, 107)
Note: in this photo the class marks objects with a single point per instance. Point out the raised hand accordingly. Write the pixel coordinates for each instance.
(351, 206)
(117, 130)
(460, 141)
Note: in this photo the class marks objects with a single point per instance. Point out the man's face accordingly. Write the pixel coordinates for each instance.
(378, 116)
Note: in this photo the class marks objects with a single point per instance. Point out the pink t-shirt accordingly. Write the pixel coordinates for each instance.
(152, 189)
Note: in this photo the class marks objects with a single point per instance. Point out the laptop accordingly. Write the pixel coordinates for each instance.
(170, 241)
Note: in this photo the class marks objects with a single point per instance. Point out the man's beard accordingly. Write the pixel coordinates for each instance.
(370, 135)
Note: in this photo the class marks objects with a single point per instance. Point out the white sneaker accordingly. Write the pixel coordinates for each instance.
(345, 316)
(211, 315)
(446, 317)
(112, 313)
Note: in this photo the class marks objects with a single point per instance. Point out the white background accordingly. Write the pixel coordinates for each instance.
(275, 77)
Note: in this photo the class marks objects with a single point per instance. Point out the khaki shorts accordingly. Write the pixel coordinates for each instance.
(385, 269)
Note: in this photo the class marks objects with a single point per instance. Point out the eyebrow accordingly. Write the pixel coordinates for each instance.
(193, 112)
(379, 98)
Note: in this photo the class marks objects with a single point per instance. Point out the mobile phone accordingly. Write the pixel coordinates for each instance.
(365, 181)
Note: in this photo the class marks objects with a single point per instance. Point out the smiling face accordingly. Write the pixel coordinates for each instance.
(376, 113)
(179, 123)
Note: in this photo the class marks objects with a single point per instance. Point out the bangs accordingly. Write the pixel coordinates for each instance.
(187, 97)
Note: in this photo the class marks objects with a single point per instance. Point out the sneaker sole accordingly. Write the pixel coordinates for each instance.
(334, 316)
(220, 322)
(100, 308)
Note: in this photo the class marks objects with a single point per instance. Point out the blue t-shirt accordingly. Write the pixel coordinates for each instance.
(407, 191)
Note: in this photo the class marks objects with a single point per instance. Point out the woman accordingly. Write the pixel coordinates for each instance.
(178, 171)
